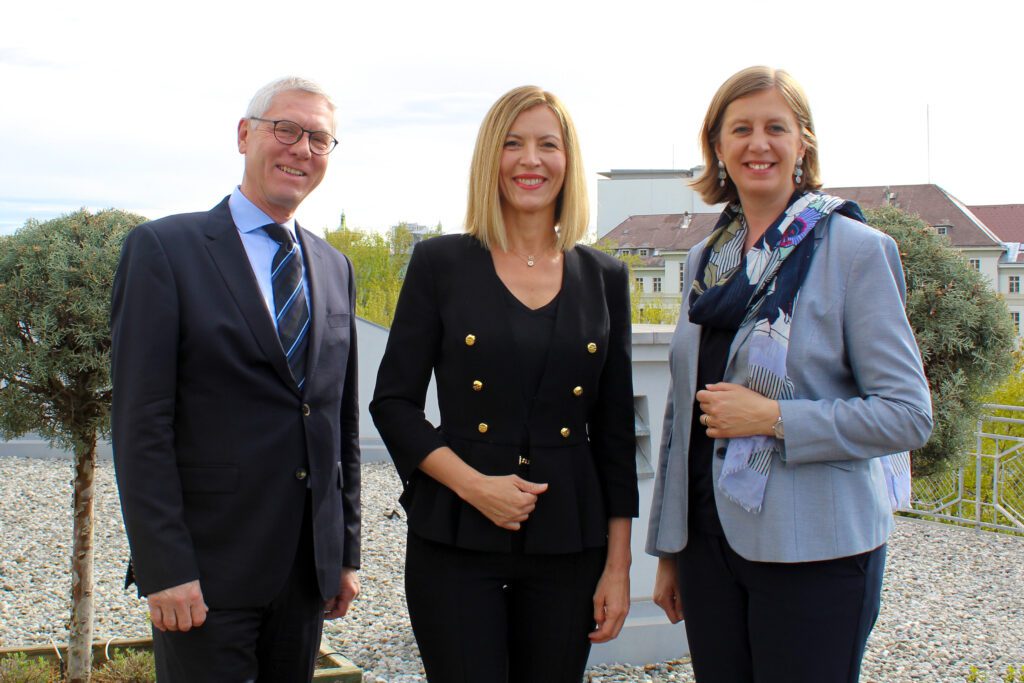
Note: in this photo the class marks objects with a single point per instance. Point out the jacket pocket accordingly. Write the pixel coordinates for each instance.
(208, 479)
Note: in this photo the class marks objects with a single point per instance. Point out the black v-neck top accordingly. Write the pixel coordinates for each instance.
(532, 329)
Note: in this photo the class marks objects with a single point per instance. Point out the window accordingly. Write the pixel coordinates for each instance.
(975, 263)
(942, 229)
(682, 275)
(656, 284)
(642, 252)
(1014, 287)
(1015, 316)
(639, 284)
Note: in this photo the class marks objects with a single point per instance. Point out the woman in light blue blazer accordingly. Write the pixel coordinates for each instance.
(797, 390)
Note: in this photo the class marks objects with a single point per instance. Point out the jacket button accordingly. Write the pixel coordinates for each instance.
(720, 452)
(564, 432)
(478, 385)
(301, 474)
(482, 428)
(524, 461)
(470, 339)
(591, 347)
(577, 391)
(305, 409)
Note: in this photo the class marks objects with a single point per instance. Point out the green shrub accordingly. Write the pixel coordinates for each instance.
(127, 666)
(963, 329)
(18, 668)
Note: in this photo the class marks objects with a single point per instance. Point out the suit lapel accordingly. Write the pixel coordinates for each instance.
(226, 250)
(317, 296)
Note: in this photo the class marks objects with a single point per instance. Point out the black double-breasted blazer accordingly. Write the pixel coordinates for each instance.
(452, 320)
(215, 446)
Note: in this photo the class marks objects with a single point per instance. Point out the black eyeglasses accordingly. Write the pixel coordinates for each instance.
(288, 133)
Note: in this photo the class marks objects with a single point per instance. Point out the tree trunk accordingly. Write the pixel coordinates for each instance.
(80, 645)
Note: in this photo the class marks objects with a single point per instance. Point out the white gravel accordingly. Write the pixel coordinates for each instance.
(952, 597)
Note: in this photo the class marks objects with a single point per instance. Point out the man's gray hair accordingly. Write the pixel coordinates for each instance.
(260, 102)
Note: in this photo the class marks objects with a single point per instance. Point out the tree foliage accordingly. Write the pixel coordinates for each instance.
(55, 283)
(963, 330)
(380, 262)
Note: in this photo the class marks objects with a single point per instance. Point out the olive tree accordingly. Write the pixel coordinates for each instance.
(55, 283)
(963, 329)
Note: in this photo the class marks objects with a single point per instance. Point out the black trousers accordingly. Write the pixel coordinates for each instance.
(484, 617)
(767, 622)
(273, 643)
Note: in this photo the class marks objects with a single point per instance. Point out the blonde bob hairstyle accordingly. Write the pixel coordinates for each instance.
(483, 209)
(747, 82)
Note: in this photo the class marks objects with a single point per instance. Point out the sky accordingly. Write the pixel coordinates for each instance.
(134, 105)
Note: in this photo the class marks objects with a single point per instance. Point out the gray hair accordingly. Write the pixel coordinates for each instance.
(260, 102)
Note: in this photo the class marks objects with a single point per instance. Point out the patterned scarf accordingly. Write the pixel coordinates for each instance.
(731, 290)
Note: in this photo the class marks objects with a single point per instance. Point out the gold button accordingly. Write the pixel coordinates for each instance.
(577, 391)
(482, 428)
(478, 385)
(305, 409)
(470, 339)
(301, 474)
(591, 347)
(524, 461)
(564, 432)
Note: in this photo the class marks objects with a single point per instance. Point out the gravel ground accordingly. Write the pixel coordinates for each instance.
(952, 597)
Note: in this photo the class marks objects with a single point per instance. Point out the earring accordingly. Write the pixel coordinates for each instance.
(798, 172)
(721, 173)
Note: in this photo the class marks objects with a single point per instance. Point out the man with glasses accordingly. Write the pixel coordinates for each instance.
(235, 415)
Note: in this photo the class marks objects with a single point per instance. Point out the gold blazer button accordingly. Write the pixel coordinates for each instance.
(470, 339)
(478, 385)
(564, 432)
(577, 391)
(482, 428)
(591, 347)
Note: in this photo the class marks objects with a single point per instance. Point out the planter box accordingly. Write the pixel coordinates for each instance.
(330, 667)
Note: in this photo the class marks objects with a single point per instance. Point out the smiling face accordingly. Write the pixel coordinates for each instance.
(277, 176)
(532, 163)
(759, 142)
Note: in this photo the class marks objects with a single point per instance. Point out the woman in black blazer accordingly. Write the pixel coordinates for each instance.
(520, 501)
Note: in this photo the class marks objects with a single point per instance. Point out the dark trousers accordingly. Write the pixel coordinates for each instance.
(767, 622)
(273, 643)
(483, 617)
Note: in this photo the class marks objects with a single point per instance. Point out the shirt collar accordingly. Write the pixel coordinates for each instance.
(248, 217)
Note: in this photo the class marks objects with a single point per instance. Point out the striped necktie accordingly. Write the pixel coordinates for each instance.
(290, 309)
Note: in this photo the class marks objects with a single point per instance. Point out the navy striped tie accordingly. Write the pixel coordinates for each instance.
(290, 308)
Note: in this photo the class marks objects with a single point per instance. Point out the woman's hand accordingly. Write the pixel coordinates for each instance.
(611, 605)
(666, 589)
(611, 598)
(507, 501)
(732, 410)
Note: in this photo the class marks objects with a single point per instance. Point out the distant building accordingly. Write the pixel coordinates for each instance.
(417, 231)
(622, 193)
(990, 238)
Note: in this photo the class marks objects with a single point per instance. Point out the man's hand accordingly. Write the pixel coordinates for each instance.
(179, 608)
(348, 589)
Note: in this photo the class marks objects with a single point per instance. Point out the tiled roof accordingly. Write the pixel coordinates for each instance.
(1005, 220)
(664, 232)
(934, 205)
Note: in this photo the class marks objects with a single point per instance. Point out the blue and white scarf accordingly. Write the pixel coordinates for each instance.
(731, 290)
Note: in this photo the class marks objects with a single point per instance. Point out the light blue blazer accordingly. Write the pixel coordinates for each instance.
(860, 392)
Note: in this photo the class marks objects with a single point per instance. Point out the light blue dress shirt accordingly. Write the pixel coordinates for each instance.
(259, 247)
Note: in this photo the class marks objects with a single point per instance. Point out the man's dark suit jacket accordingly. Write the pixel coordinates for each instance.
(215, 447)
(452, 319)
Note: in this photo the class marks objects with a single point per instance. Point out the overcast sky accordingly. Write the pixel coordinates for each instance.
(134, 105)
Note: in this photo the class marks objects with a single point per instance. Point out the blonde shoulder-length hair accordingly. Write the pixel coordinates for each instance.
(483, 209)
(752, 80)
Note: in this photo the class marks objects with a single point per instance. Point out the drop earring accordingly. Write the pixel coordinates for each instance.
(721, 173)
(798, 172)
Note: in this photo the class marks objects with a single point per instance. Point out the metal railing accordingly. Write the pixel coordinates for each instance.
(988, 491)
